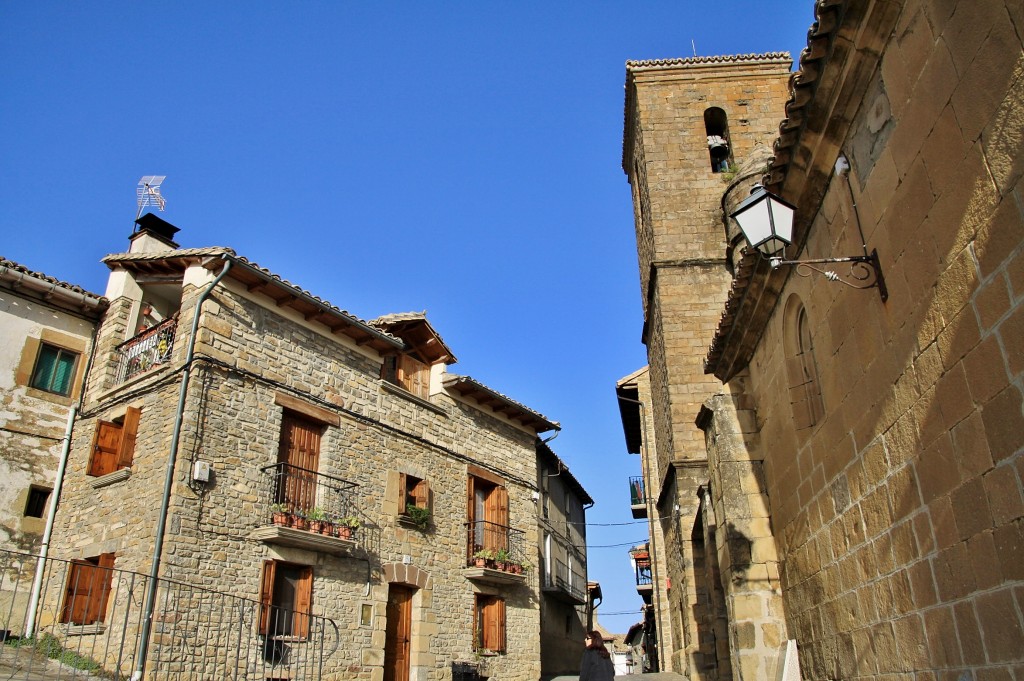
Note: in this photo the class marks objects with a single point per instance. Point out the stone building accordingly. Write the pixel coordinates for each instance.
(46, 331)
(679, 114)
(862, 497)
(239, 446)
(565, 606)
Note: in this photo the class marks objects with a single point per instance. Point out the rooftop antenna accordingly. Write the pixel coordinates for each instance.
(148, 193)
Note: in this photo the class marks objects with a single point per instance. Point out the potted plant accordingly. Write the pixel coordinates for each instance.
(316, 517)
(484, 558)
(418, 516)
(501, 559)
(347, 526)
(281, 513)
(299, 520)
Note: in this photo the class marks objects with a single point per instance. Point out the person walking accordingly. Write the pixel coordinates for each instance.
(596, 663)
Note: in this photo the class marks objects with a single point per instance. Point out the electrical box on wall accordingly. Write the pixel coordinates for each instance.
(201, 471)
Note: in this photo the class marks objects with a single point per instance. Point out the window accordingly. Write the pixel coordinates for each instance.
(298, 458)
(414, 492)
(54, 370)
(407, 372)
(489, 623)
(488, 511)
(87, 590)
(716, 126)
(35, 505)
(286, 596)
(804, 388)
(113, 444)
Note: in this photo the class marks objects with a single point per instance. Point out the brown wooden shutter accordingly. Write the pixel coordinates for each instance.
(300, 448)
(422, 494)
(129, 430)
(494, 623)
(76, 594)
(499, 625)
(303, 603)
(267, 595)
(103, 577)
(105, 445)
(403, 492)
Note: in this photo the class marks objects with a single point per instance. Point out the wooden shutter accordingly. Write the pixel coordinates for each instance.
(493, 621)
(126, 449)
(76, 595)
(422, 493)
(267, 595)
(300, 448)
(303, 603)
(403, 492)
(106, 443)
(102, 578)
(497, 516)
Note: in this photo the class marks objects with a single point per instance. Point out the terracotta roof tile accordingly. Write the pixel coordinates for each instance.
(21, 269)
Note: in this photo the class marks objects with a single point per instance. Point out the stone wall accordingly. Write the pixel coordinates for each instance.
(899, 513)
(248, 354)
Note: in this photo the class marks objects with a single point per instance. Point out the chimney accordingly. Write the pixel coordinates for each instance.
(152, 235)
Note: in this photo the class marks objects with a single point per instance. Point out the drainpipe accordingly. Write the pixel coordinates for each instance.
(161, 526)
(44, 549)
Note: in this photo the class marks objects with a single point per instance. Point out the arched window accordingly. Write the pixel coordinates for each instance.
(716, 127)
(801, 369)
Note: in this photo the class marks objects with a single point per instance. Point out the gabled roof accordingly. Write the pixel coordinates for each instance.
(468, 387)
(259, 280)
(419, 335)
(15, 277)
(548, 454)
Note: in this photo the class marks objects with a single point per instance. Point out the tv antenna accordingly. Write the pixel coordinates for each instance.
(148, 193)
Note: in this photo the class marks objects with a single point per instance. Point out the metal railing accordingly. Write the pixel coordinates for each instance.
(636, 491)
(490, 538)
(571, 581)
(88, 623)
(303, 497)
(643, 571)
(147, 349)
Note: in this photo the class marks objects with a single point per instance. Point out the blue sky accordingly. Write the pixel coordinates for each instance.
(458, 157)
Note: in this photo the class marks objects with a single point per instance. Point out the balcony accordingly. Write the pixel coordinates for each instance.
(146, 350)
(565, 584)
(308, 510)
(637, 499)
(641, 559)
(495, 554)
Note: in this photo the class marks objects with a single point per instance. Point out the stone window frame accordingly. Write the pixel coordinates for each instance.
(30, 356)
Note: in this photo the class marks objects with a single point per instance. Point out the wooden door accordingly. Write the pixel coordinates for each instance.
(398, 634)
(300, 449)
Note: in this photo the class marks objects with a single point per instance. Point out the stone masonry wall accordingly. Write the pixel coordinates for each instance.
(899, 514)
(247, 355)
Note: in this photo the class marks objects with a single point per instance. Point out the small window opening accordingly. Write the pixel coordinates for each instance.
(35, 506)
(716, 127)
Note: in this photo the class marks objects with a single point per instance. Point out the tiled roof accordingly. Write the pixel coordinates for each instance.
(697, 61)
(16, 267)
(182, 256)
(434, 344)
(466, 385)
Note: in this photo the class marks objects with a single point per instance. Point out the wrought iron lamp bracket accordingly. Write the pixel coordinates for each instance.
(865, 272)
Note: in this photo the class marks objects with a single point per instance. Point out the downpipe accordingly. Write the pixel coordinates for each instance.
(154, 571)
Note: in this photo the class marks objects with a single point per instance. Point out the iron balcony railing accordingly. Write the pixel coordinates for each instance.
(636, 491)
(643, 571)
(307, 499)
(492, 543)
(570, 580)
(146, 350)
(87, 623)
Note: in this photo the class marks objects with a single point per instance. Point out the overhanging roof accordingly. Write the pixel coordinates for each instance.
(627, 393)
(419, 335)
(70, 297)
(256, 279)
(468, 387)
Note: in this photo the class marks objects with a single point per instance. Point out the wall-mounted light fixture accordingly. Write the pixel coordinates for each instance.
(767, 224)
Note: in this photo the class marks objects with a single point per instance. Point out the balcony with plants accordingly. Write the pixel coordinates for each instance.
(640, 556)
(309, 510)
(146, 350)
(495, 554)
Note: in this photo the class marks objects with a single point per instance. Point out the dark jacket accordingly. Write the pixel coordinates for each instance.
(593, 667)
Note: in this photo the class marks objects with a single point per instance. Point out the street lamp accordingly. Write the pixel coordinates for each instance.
(767, 224)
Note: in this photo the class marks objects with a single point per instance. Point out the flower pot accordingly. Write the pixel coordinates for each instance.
(328, 529)
(315, 526)
(280, 518)
(344, 532)
(300, 523)
(480, 562)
